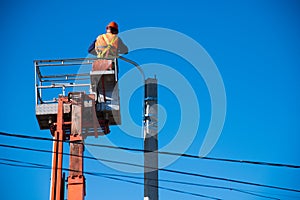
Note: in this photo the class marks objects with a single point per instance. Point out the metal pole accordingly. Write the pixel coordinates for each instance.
(61, 134)
(76, 179)
(150, 140)
(54, 168)
(35, 83)
(56, 180)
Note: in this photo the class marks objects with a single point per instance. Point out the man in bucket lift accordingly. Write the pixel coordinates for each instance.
(107, 46)
(104, 75)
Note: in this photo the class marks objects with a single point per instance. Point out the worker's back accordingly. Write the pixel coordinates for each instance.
(107, 45)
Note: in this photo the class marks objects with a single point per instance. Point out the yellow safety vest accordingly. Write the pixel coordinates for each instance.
(109, 51)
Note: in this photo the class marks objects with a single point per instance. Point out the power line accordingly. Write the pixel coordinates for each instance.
(170, 189)
(39, 166)
(113, 176)
(209, 186)
(161, 152)
(232, 180)
(165, 170)
(17, 163)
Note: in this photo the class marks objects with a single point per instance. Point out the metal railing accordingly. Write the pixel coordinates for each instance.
(62, 75)
(65, 74)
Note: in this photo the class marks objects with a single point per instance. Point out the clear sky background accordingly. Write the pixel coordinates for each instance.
(255, 45)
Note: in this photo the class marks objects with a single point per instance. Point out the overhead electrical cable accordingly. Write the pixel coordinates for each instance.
(24, 164)
(162, 169)
(161, 152)
(17, 163)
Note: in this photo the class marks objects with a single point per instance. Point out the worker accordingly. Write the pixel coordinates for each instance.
(108, 46)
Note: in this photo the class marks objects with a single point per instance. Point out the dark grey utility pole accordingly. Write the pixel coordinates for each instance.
(150, 140)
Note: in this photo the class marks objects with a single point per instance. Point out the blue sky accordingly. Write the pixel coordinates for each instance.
(254, 44)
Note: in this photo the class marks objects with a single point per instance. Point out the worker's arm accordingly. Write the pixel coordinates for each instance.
(91, 48)
(122, 48)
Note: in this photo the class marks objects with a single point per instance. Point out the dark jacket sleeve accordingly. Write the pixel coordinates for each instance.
(122, 48)
(91, 48)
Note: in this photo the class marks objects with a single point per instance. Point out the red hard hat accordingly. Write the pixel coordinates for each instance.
(113, 25)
